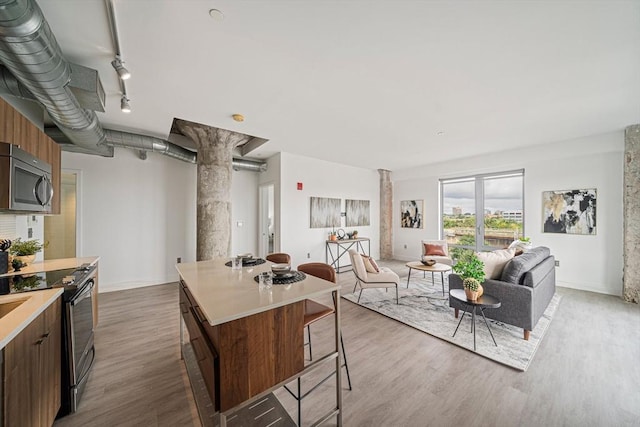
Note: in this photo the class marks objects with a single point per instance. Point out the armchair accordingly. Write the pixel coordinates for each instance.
(386, 278)
(437, 250)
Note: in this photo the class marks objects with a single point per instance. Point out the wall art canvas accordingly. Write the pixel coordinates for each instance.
(357, 213)
(411, 212)
(325, 212)
(569, 212)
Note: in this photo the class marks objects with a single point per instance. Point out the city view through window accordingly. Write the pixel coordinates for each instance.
(499, 198)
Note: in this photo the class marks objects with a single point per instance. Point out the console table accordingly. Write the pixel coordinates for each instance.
(335, 249)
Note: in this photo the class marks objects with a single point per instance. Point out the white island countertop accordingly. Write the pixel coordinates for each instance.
(224, 294)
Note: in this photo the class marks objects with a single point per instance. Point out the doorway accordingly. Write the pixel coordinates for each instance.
(61, 231)
(267, 230)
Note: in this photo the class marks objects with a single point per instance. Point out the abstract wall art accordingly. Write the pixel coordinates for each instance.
(357, 213)
(569, 211)
(325, 212)
(411, 212)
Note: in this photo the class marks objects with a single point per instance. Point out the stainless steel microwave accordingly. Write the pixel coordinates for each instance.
(25, 181)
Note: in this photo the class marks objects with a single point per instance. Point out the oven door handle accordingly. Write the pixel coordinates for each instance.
(85, 294)
(86, 372)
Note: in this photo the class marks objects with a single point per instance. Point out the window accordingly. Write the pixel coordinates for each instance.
(499, 198)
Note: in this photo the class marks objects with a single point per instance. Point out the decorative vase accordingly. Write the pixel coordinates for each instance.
(26, 259)
(471, 295)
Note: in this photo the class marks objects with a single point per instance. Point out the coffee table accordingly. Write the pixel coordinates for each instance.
(435, 268)
(485, 301)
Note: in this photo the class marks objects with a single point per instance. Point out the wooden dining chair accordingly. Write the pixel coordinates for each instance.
(279, 258)
(314, 311)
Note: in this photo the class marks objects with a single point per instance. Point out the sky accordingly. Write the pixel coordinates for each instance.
(503, 194)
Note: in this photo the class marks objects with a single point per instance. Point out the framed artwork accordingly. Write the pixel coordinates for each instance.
(569, 211)
(357, 213)
(325, 212)
(411, 212)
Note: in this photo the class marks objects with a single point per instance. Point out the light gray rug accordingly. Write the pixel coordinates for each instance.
(423, 307)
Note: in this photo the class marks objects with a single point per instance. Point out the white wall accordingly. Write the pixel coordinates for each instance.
(322, 179)
(592, 263)
(139, 216)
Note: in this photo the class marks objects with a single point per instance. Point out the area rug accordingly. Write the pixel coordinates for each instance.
(423, 307)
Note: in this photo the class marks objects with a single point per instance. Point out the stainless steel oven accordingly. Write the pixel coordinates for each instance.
(78, 352)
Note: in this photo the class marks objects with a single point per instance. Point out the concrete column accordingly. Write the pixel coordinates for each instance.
(215, 157)
(386, 214)
(631, 281)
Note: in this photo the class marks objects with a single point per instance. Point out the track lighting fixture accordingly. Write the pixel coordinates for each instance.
(123, 73)
(124, 104)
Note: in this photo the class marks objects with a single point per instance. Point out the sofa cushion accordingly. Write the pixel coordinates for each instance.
(430, 249)
(516, 268)
(495, 261)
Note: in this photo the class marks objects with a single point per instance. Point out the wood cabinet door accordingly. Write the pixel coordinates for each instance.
(22, 377)
(51, 363)
(32, 369)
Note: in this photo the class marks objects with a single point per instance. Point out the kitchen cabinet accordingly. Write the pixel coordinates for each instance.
(18, 130)
(32, 371)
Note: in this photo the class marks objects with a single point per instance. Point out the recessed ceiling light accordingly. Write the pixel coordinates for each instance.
(238, 117)
(440, 133)
(216, 15)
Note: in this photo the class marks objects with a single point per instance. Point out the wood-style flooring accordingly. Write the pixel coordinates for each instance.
(585, 372)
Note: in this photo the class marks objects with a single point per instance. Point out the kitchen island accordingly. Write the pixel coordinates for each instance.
(249, 341)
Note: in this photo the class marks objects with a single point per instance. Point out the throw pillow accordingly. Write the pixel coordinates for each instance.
(368, 265)
(374, 264)
(495, 261)
(430, 249)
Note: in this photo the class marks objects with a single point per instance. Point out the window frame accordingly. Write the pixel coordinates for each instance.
(479, 180)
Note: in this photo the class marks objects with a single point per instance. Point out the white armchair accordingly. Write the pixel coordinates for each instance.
(386, 278)
(436, 246)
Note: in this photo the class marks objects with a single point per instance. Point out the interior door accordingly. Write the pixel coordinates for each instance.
(61, 230)
(267, 221)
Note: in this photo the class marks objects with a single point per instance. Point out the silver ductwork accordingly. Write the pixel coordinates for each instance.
(249, 165)
(149, 143)
(30, 51)
(144, 143)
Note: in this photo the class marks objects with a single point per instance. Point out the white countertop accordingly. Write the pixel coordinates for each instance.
(52, 265)
(224, 294)
(19, 318)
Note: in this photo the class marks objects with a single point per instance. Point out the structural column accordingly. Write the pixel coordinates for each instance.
(631, 281)
(215, 157)
(386, 214)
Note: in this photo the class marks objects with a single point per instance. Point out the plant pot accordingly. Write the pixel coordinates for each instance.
(471, 295)
(480, 291)
(26, 259)
(333, 237)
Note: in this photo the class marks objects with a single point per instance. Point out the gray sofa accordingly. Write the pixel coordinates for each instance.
(527, 284)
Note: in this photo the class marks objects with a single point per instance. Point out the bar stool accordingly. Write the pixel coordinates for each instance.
(279, 258)
(314, 311)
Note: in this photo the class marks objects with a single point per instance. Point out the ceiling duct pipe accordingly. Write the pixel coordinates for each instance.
(144, 143)
(30, 51)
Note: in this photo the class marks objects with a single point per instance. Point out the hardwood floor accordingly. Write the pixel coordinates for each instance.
(585, 373)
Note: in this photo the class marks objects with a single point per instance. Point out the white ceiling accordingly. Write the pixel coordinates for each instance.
(367, 83)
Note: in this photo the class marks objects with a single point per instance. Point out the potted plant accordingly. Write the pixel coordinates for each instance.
(471, 270)
(25, 251)
(354, 234)
(332, 235)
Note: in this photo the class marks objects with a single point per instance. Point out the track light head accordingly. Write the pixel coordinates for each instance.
(124, 104)
(123, 73)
